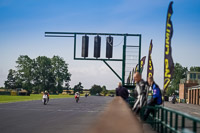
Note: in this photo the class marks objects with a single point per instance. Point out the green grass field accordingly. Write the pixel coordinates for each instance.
(8, 99)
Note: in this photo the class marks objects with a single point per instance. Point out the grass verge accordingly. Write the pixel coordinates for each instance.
(8, 99)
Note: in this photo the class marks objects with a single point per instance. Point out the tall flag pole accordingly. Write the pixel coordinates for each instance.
(168, 61)
(150, 69)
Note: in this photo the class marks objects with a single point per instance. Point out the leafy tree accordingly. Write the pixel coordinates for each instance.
(78, 88)
(179, 73)
(24, 72)
(2, 87)
(104, 91)
(10, 82)
(95, 89)
(39, 74)
(195, 69)
(43, 74)
(60, 72)
(111, 92)
(18, 80)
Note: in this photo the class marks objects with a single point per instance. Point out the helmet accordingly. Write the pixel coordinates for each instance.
(45, 91)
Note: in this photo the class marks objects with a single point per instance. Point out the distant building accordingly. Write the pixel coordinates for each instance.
(194, 95)
(192, 79)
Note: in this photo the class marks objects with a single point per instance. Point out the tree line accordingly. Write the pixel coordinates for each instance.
(39, 74)
(97, 89)
(43, 73)
(179, 73)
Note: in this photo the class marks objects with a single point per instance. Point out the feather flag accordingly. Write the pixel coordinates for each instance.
(168, 60)
(129, 78)
(132, 80)
(150, 69)
(142, 62)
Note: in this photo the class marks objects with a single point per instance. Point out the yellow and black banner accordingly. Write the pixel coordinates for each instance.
(168, 61)
(133, 71)
(128, 81)
(136, 68)
(142, 62)
(150, 69)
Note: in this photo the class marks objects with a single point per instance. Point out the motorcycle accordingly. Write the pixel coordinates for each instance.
(77, 99)
(45, 99)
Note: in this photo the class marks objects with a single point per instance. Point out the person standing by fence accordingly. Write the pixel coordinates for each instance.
(141, 89)
(122, 91)
(156, 97)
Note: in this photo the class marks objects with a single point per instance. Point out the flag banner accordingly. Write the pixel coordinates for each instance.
(132, 79)
(150, 69)
(142, 62)
(136, 68)
(168, 61)
(129, 78)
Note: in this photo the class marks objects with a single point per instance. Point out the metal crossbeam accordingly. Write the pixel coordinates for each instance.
(125, 46)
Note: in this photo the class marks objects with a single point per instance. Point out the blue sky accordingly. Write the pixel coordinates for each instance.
(23, 23)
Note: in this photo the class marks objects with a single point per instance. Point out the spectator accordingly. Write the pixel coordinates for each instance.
(122, 91)
(173, 98)
(141, 91)
(156, 97)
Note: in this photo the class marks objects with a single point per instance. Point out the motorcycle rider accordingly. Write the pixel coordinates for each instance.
(77, 95)
(46, 93)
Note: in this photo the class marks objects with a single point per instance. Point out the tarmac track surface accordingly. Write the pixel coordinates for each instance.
(58, 116)
(190, 109)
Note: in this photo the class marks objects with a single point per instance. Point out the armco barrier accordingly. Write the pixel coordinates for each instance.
(165, 120)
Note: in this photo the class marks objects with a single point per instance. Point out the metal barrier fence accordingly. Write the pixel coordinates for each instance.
(166, 120)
